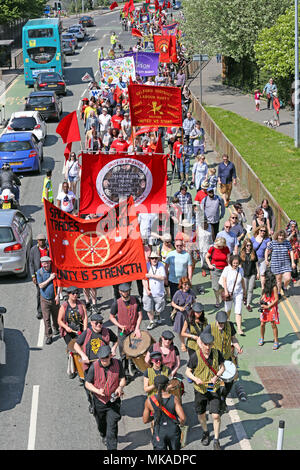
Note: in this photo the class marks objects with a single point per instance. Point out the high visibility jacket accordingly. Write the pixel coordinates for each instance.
(50, 190)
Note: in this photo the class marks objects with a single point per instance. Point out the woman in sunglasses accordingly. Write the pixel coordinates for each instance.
(72, 316)
(260, 242)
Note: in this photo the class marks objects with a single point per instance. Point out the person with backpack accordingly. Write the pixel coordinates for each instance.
(214, 210)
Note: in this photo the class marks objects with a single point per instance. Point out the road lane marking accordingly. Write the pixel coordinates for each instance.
(41, 336)
(33, 417)
(238, 426)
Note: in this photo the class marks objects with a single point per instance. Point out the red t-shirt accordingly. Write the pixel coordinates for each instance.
(43, 252)
(116, 121)
(219, 256)
(200, 195)
(176, 148)
(120, 146)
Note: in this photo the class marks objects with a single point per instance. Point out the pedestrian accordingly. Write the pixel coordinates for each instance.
(66, 199)
(205, 241)
(197, 138)
(230, 237)
(199, 171)
(169, 352)
(178, 264)
(257, 95)
(293, 237)
(237, 228)
(213, 209)
(226, 176)
(232, 281)
(269, 90)
(106, 380)
(72, 316)
(156, 368)
(182, 302)
(268, 214)
(276, 106)
(154, 290)
(204, 368)
(72, 171)
(249, 263)
(260, 240)
(47, 187)
(193, 327)
(212, 179)
(217, 259)
(36, 253)
(113, 40)
(260, 220)
(188, 125)
(90, 297)
(185, 202)
(168, 413)
(269, 304)
(49, 299)
(95, 143)
(105, 122)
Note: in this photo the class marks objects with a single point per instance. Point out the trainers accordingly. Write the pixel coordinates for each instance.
(205, 439)
(151, 325)
(217, 444)
(49, 340)
(55, 331)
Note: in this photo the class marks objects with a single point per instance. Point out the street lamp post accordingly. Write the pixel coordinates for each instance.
(296, 95)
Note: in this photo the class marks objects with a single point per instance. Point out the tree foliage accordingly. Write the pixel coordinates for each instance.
(228, 26)
(11, 10)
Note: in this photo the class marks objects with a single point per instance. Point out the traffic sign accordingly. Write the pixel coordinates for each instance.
(202, 57)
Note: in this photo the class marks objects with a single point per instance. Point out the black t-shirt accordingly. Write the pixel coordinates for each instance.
(193, 361)
(94, 343)
(114, 307)
(91, 373)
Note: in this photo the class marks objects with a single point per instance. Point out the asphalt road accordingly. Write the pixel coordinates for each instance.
(41, 408)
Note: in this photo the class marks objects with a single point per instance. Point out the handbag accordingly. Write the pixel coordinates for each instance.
(228, 298)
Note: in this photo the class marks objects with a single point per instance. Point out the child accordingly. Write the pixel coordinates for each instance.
(212, 179)
(276, 106)
(257, 95)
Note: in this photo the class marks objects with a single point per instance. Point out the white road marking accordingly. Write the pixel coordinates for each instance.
(41, 335)
(83, 93)
(238, 426)
(33, 417)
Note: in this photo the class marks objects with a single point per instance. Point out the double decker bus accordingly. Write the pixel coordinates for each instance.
(41, 41)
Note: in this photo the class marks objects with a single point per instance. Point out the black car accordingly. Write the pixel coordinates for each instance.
(86, 21)
(46, 103)
(51, 81)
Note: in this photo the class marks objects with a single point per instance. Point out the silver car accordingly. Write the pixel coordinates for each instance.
(15, 243)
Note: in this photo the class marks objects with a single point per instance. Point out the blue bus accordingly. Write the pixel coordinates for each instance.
(41, 41)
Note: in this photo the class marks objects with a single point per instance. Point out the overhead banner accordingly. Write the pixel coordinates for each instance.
(113, 69)
(146, 63)
(155, 106)
(97, 252)
(107, 179)
(170, 29)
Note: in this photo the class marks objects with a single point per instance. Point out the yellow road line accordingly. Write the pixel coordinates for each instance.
(296, 330)
(292, 310)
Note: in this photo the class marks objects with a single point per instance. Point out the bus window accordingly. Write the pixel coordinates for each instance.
(41, 55)
(40, 33)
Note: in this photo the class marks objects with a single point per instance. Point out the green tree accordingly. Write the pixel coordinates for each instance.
(11, 10)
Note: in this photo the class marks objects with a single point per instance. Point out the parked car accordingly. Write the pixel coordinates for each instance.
(21, 121)
(70, 37)
(50, 81)
(82, 28)
(22, 150)
(68, 47)
(77, 32)
(15, 243)
(86, 21)
(46, 103)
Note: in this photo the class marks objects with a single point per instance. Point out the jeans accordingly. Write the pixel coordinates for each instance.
(249, 285)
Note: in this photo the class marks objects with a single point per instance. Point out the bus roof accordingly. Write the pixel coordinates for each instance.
(38, 22)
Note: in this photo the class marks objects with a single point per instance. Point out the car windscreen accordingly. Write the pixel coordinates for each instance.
(6, 235)
(40, 100)
(15, 146)
(74, 30)
(49, 77)
(23, 123)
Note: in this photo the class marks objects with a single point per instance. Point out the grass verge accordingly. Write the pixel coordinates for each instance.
(270, 154)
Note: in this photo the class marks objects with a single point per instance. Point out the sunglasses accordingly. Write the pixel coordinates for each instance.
(156, 360)
(234, 217)
(263, 231)
(179, 246)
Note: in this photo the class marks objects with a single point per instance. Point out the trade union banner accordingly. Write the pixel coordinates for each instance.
(169, 29)
(155, 105)
(166, 46)
(98, 252)
(107, 179)
(113, 69)
(146, 63)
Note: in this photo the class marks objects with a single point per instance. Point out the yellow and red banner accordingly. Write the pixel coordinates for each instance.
(155, 105)
(166, 46)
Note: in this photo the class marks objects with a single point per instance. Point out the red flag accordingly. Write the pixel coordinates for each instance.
(173, 50)
(125, 9)
(136, 32)
(98, 252)
(107, 178)
(159, 147)
(162, 44)
(68, 150)
(117, 94)
(169, 5)
(156, 5)
(113, 5)
(68, 128)
(131, 6)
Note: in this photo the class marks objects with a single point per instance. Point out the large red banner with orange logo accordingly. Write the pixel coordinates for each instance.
(99, 252)
(155, 105)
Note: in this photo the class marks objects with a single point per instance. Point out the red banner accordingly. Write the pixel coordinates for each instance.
(166, 46)
(107, 179)
(155, 105)
(97, 252)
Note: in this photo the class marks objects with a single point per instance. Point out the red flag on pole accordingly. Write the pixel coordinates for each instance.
(159, 147)
(136, 32)
(131, 6)
(68, 128)
(113, 5)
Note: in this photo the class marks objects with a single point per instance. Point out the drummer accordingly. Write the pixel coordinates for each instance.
(106, 380)
(205, 367)
(156, 368)
(170, 353)
(128, 311)
(72, 316)
(224, 332)
(193, 327)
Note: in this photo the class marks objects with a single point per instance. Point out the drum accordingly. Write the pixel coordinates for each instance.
(229, 372)
(76, 358)
(176, 387)
(136, 349)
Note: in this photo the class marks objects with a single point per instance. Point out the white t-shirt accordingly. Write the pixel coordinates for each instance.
(230, 274)
(157, 287)
(72, 168)
(104, 120)
(66, 201)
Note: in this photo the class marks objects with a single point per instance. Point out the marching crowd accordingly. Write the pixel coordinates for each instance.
(232, 252)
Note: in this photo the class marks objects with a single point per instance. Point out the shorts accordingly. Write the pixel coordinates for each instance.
(72, 178)
(226, 188)
(238, 303)
(212, 399)
(152, 304)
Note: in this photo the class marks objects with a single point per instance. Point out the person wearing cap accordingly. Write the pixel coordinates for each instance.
(49, 300)
(156, 368)
(193, 327)
(72, 316)
(202, 191)
(168, 414)
(126, 314)
(213, 209)
(35, 255)
(105, 379)
(205, 368)
(170, 354)
(154, 290)
(225, 341)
